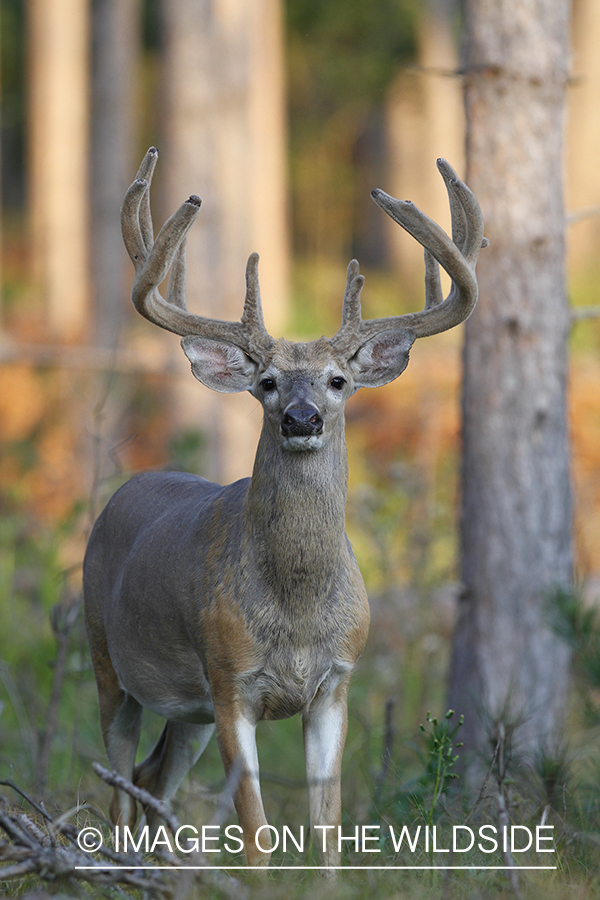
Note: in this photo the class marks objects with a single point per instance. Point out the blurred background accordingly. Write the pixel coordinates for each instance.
(281, 115)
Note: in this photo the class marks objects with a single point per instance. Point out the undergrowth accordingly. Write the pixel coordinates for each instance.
(405, 799)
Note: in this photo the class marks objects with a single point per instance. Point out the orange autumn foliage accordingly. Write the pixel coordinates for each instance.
(45, 467)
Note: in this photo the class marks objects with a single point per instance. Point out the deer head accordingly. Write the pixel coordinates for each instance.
(302, 386)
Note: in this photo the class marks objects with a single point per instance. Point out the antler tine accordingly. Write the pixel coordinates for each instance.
(457, 258)
(144, 293)
(433, 285)
(474, 239)
(178, 280)
(130, 223)
(136, 221)
(259, 340)
(354, 285)
(347, 338)
(145, 173)
(152, 260)
(457, 213)
(457, 255)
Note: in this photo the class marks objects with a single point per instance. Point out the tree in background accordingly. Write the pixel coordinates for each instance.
(57, 46)
(222, 135)
(342, 57)
(115, 50)
(507, 665)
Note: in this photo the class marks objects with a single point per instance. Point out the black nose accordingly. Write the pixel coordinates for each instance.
(298, 421)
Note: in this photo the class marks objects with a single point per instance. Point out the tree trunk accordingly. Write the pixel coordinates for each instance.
(58, 147)
(225, 140)
(516, 506)
(115, 29)
(424, 112)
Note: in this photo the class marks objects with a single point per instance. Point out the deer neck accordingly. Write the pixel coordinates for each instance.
(296, 509)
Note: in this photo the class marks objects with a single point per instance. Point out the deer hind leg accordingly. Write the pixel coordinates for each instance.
(178, 748)
(120, 720)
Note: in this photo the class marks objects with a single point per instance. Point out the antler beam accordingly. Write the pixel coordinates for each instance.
(152, 260)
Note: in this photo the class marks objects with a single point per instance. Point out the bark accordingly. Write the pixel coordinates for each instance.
(115, 28)
(507, 665)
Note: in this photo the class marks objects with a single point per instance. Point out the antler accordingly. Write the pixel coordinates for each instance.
(458, 256)
(152, 260)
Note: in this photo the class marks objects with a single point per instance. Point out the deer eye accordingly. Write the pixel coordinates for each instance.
(337, 383)
(268, 385)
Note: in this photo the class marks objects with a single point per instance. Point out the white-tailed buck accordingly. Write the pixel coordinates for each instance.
(217, 607)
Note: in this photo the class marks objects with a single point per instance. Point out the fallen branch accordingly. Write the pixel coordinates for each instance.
(49, 848)
(225, 883)
(141, 794)
(584, 312)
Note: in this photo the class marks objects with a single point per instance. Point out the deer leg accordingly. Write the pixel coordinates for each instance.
(178, 748)
(237, 744)
(325, 725)
(120, 715)
(120, 720)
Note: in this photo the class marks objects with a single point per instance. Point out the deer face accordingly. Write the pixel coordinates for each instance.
(302, 387)
(303, 390)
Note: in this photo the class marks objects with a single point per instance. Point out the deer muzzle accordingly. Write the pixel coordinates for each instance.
(301, 421)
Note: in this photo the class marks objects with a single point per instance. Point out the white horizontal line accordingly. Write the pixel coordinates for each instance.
(276, 868)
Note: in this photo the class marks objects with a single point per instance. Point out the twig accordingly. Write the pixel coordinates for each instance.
(579, 313)
(578, 215)
(145, 797)
(503, 817)
(31, 851)
(63, 619)
(484, 785)
(225, 883)
(584, 312)
(15, 831)
(18, 790)
(388, 746)
(85, 358)
(17, 871)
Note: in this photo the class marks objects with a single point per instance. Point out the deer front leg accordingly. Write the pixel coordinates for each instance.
(236, 736)
(325, 724)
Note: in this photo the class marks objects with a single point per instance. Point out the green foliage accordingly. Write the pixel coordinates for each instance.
(188, 452)
(35, 592)
(12, 101)
(347, 50)
(439, 760)
(342, 56)
(401, 522)
(578, 625)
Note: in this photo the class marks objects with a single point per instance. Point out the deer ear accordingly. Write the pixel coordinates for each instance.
(220, 366)
(382, 358)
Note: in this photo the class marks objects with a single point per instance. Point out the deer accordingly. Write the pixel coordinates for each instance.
(218, 607)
